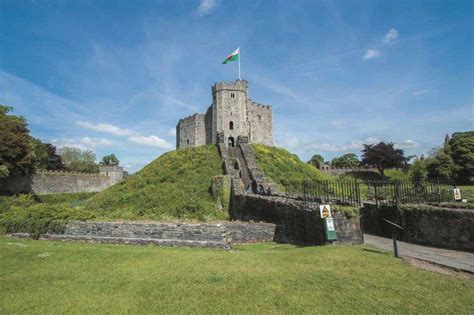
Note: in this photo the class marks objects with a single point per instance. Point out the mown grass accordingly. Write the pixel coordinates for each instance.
(282, 166)
(174, 186)
(467, 192)
(56, 278)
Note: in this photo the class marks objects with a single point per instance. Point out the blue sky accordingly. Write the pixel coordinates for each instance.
(116, 76)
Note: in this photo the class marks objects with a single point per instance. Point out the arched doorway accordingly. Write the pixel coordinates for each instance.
(231, 142)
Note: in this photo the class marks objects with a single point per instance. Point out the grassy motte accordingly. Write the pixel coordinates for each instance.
(60, 278)
(174, 186)
(282, 166)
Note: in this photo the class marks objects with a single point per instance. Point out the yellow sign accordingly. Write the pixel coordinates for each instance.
(325, 211)
(457, 194)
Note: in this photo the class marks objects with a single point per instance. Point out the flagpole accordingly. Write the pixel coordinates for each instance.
(239, 62)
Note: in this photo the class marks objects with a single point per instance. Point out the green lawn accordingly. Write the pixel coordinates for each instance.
(467, 192)
(54, 277)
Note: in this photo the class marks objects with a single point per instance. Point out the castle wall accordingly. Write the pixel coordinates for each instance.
(49, 182)
(191, 131)
(231, 115)
(260, 123)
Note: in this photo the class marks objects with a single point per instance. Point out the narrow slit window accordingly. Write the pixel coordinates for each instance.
(231, 125)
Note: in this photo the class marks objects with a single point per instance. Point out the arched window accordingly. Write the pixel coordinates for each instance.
(187, 141)
(231, 125)
(232, 95)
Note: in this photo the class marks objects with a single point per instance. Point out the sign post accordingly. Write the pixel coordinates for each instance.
(328, 222)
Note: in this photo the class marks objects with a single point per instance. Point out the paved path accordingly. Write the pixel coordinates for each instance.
(449, 258)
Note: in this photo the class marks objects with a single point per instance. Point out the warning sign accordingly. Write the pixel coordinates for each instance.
(325, 211)
(457, 194)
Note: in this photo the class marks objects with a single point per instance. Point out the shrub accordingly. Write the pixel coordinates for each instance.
(38, 219)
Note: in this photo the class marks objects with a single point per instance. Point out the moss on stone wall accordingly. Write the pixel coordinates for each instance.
(221, 187)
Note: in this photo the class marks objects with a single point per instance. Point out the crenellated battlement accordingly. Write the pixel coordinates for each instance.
(190, 118)
(259, 105)
(238, 85)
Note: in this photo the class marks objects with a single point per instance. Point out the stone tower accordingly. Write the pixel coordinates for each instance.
(232, 118)
(229, 111)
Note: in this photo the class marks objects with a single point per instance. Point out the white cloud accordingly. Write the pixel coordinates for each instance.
(421, 92)
(407, 144)
(85, 143)
(371, 53)
(206, 7)
(354, 145)
(97, 142)
(105, 128)
(390, 36)
(133, 136)
(153, 141)
(172, 132)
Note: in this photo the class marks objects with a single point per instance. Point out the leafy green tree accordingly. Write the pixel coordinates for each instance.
(317, 160)
(15, 146)
(77, 160)
(382, 155)
(109, 160)
(347, 160)
(4, 172)
(461, 147)
(419, 171)
(45, 156)
(440, 165)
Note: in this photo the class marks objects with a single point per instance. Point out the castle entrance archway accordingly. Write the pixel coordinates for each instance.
(231, 142)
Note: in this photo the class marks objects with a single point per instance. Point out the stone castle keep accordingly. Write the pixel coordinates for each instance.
(231, 119)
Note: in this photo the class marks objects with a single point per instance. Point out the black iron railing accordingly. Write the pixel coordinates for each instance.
(314, 193)
(383, 192)
(394, 192)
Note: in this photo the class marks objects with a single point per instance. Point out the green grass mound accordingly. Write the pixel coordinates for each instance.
(174, 186)
(282, 166)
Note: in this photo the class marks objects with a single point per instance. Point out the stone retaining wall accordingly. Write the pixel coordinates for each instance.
(216, 235)
(294, 225)
(423, 224)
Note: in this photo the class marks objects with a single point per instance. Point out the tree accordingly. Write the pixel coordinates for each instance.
(440, 165)
(4, 172)
(15, 146)
(77, 160)
(461, 146)
(109, 160)
(45, 156)
(382, 155)
(348, 160)
(317, 160)
(419, 172)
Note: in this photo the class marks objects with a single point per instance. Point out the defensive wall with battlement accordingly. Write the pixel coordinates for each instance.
(48, 182)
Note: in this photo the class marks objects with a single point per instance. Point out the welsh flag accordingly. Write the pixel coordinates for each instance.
(233, 56)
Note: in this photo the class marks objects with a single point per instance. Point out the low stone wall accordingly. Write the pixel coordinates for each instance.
(422, 224)
(294, 225)
(57, 182)
(217, 235)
